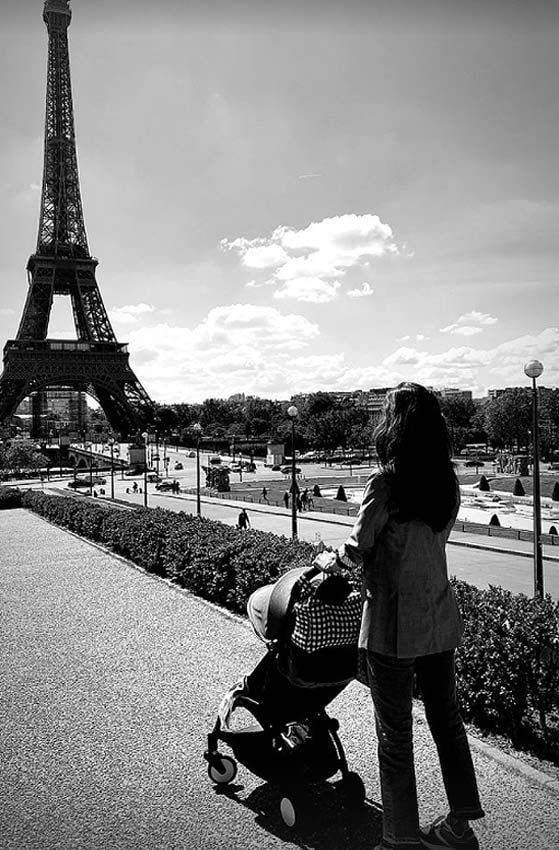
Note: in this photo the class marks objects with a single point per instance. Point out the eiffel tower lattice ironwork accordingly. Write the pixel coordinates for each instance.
(62, 265)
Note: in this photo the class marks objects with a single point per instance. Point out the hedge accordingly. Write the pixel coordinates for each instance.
(215, 561)
(10, 497)
(508, 663)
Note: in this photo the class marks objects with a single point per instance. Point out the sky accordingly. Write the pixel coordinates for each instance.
(288, 197)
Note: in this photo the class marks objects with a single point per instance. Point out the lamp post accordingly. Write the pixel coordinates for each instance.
(112, 445)
(197, 428)
(292, 412)
(90, 469)
(533, 369)
(145, 436)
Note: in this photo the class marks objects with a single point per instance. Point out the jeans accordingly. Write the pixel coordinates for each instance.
(391, 682)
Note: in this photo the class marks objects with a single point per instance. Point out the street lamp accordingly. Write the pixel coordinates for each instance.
(292, 412)
(90, 468)
(145, 436)
(112, 445)
(533, 369)
(197, 428)
(157, 453)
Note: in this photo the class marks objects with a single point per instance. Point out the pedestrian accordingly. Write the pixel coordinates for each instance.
(134, 487)
(298, 503)
(304, 498)
(286, 498)
(265, 495)
(244, 520)
(411, 624)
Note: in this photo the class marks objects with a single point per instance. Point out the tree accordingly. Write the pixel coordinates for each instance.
(518, 488)
(484, 484)
(341, 494)
(508, 418)
(555, 494)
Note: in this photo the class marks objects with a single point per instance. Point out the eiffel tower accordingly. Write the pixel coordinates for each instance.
(62, 265)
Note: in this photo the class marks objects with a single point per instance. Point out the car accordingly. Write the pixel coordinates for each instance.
(276, 468)
(164, 486)
(79, 482)
(191, 454)
(178, 465)
(153, 477)
(287, 470)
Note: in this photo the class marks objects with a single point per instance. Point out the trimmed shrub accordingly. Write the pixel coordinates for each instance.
(518, 488)
(484, 484)
(340, 495)
(508, 665)
(555, 493)
(316, 491)
(495, 520)
(553, 530)
(213, 560)
(10, 497)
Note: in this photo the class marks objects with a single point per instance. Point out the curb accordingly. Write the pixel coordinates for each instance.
(500, 549)
(510, 762)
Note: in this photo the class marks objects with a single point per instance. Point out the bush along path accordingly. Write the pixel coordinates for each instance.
(507, 665)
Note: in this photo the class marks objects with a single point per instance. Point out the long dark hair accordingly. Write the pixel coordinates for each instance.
(414, 450)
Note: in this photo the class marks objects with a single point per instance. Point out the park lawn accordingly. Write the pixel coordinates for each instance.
(506, 483)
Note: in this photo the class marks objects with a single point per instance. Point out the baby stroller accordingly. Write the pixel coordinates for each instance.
(275, 719)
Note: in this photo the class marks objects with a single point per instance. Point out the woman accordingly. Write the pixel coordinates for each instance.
(411, 624)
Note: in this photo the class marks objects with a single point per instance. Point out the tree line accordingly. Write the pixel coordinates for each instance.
(326, 423)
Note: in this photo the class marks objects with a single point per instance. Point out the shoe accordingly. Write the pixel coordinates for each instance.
(441, 834)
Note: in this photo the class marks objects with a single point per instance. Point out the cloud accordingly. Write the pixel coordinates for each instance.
(366, 289)
(130, 313)
(311, 289)
(235, 346)
(264, 256)
(324, 250)
(470, 324)
(462, 366)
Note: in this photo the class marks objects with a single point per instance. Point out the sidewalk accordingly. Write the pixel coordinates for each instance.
(111, 681)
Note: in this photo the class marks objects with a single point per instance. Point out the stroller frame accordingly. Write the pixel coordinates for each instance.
(301, 743)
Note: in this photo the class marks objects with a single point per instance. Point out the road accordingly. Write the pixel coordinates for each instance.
(110, 682)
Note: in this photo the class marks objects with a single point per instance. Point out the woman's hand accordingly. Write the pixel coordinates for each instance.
(327, 562)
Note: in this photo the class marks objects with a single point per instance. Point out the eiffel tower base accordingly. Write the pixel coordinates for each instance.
(98, 368)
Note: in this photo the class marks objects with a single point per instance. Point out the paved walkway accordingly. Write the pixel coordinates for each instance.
(110, 681)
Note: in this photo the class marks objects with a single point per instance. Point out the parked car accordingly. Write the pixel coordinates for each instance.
(178, 465)
(287, 470)
(153, 477)
(164, 486)
(191, 454)
(79, 482)
(276, 468)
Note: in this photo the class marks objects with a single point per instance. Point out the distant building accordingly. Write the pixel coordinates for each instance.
(454, 392)
(62, 410)
(495, 393)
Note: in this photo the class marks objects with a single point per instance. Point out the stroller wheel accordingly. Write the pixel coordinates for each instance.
(352, 790)
(222, 770)
(288, 812)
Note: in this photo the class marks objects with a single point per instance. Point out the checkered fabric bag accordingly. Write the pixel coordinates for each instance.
(325, 619)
